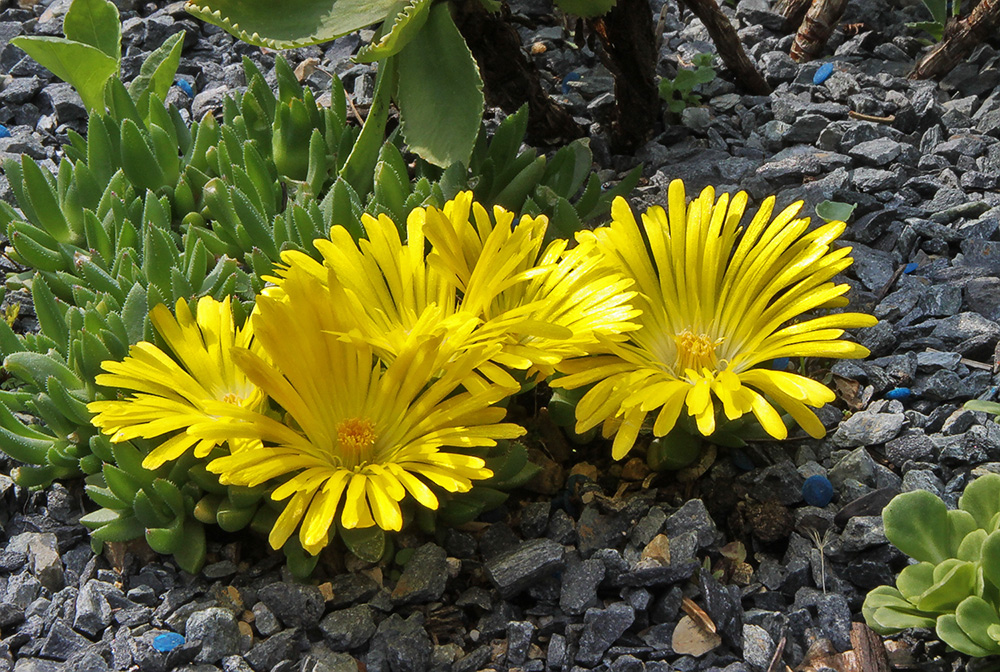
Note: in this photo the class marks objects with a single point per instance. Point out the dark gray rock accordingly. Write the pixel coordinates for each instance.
(348, 628)
(579, 586)
(535, 519)
(400, 645)
(93, 612)
(602, 628)
(911, 445)
(862, 532)
(61, 642)
(758, 647)
(352, 588)
(64, 101)
(866, 429)
(877, 152)
(265, 656)
(514, 571)
(519, 634)
(693, 517)
(265, 621)
(941, 386)
(295, 605)
(424, 576)
(217, 631)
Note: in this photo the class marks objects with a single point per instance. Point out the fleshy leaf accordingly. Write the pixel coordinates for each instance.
(297, 24)
(953, 635)
(437, 72)
(975, 616)
(408, 22)
(917, 524)
(982, 499)
(835, 211)
(157, 72)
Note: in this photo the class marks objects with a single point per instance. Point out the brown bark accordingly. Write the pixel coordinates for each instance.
(960, 38)
(510, 78)
(816, 28)
(629, 52)
(793, 11)
(728, 43)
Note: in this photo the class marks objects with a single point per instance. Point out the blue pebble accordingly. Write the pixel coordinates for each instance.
(780, 364)
(817, 491)
(168, 641)
(741, 460)
(910, 267)
(570, 77)
(898, 393)
(4, 133)
(823, 73)
(184, 86)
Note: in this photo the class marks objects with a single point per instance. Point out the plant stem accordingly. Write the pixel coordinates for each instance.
(960, 37)
(510, 79)
(728, 43)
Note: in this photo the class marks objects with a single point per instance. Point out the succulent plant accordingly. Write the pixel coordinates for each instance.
(954, 585)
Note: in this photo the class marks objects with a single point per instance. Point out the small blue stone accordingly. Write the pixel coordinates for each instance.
(898, 393)
(817, 491)
(4, 133)
(570, 77)
(780, 364)
(741, 460)
(823, 73)
(168, 641)
(910, 267)
(184, 86)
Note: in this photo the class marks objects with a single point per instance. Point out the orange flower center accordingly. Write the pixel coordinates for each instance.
(696, 351)
(356, 437)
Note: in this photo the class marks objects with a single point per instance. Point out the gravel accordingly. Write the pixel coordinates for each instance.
(595, 577)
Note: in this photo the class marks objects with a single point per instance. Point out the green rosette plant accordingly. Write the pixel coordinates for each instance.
(954, 584)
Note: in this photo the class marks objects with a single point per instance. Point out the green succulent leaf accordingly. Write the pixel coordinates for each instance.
(297, 24)
(982, 499)
(954, 580)
(975, 616)
(408, 21)
(368, 543)
(835, 211)
(917, 524)
(437, 72)
(86, 68)
(191, 555)
(949, 631)
(991, 558)
(156, 75)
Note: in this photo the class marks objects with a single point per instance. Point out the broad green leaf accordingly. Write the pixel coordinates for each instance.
(985, 406)
(917, 524)
(157, 72)
(971, 548)
(954, 580)
(991, 558)
(86, 68)
(407, 23)
(296, 24)
(952, 634)
(835, 211)
(368, 543)
(437, 72)
(960, 525)
(982, 499)
(975, 616)
(95, 22)
(915, 580)
(586, 8)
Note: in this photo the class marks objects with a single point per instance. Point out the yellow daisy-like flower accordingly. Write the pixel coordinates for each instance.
(359, 437)
(171, 395)
(718, 301)
(485, 280)
(571, 297)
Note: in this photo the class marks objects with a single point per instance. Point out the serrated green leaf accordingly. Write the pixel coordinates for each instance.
(436, 72)
(405, 25)
(299, 23)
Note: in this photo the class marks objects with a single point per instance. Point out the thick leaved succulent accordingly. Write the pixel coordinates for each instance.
(954, 585)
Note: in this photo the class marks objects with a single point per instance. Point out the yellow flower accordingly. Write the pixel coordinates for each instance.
(568, 298)
(172, 394)
(481, 283)
(358, 437)
(719, 303)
